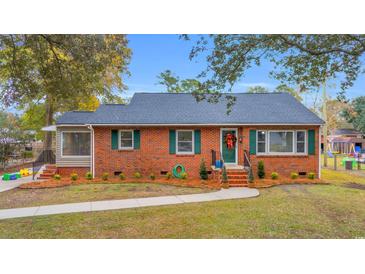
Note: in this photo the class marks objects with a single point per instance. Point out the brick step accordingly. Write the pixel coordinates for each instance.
(237, 173)
(42, 176)
(49, 172)
(241, 176)
(237, 180)
(238, 185)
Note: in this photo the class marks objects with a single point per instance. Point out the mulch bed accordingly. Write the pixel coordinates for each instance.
(265, 183)
(52, 183)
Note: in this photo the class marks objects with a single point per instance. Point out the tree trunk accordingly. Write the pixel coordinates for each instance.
(47, 145)
(324, 112)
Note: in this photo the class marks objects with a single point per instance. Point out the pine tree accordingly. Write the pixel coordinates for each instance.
(261, 170)
(203, 170)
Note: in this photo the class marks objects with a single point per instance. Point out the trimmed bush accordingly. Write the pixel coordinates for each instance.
(168, 175)
(89, 175)
(105, 176)
(274, 175)
(57, 177)
(74, 176)
(152, 176)
(224, 175)
(184, 175)
(311, 175)
(261, 170)
(122, 176)
(203, 170)
(294, 175)
(137, 175)
(250, 175)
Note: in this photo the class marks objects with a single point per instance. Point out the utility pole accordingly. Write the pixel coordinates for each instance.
(324, 113)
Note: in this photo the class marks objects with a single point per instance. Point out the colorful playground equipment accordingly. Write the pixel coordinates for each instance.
(13, 176)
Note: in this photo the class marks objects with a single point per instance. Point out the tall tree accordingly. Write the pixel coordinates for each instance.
(355, 114)
(290, 90)
(307, 60)
(257, 89)
(58, 70)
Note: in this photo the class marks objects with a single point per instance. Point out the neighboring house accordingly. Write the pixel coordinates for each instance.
(345, 140)
(156, 131)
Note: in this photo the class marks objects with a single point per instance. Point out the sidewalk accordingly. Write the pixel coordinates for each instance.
(224, 194)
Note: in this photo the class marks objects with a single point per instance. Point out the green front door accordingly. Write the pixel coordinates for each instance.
(229, 155)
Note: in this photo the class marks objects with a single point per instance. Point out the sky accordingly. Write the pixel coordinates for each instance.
(153, 54)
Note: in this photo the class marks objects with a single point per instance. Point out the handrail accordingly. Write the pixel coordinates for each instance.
(45, 157)
(247, 158)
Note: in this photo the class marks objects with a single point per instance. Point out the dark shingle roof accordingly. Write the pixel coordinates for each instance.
(168, 108)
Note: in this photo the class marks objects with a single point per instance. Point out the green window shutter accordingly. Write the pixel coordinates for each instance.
(137, 139)
(311, 142)
(252, 141)
(172, 141)
(114, 140)
(197, 141)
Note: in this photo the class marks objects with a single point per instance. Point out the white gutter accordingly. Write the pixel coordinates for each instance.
(92, 150)
(319, 152)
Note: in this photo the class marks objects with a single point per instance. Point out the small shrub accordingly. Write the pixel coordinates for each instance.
(89, 175)
(311, 175)
(152, 176)
(74, 176)
(137, 175)
(122, 176)
(168, 175)
(184, 175)
(105, 176)
(294, 175)
(224, 175)
(250, 176)
(274, 175)
(57, 177)
(261, 170)
(203, 170)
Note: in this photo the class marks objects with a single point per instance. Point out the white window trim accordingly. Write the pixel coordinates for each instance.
(257, 142)
(192, 140)
(74, 156)
(305, 143)
(267, 143)
(119, 141)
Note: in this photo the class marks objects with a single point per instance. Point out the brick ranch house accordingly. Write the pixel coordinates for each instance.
(156, 131)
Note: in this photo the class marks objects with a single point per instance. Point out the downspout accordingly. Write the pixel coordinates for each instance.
(92, 150)
(319, 151)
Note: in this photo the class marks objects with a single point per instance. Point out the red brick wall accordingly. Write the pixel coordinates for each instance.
(66, 171)
(284, 165)
(153, 155)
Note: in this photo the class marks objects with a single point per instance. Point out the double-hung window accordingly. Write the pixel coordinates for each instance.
(281, 142)
(261, 141)
(75, 144)
(185, 142)
(126, 139)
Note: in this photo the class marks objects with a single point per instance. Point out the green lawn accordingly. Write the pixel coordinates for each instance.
(88, 192)
(297, 211)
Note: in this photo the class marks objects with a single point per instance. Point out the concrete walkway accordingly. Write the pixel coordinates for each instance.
(224, 194)
(8, 185)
